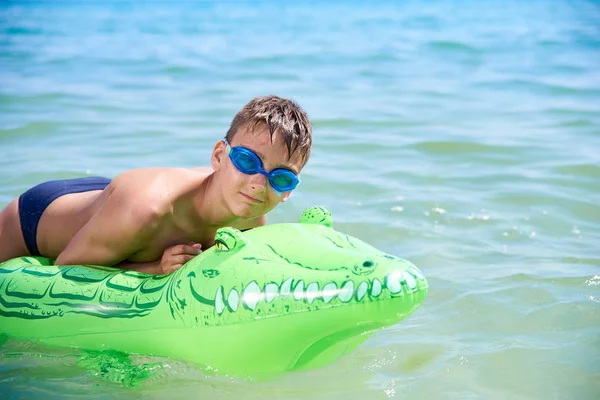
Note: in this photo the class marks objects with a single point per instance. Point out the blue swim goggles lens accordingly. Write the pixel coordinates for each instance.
(247, 162)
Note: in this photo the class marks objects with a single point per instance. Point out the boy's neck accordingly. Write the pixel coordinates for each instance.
(201, 209)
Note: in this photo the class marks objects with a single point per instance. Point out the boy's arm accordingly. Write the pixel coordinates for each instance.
(173, 257)
(114, 233)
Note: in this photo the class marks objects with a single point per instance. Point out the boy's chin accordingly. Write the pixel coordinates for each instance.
(246, 211)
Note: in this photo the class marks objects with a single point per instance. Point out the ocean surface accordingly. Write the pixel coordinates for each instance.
(461, 135)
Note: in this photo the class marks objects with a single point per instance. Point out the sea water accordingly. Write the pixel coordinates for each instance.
(461, 135)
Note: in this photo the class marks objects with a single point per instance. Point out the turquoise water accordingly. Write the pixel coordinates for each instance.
(464, 136)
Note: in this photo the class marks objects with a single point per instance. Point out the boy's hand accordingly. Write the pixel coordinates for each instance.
(175, 256)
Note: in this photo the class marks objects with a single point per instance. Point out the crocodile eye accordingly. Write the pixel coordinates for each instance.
(222, 246)
(227, 239)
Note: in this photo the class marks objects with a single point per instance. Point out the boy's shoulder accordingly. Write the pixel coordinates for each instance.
(154, 173)
(146, 180)
(154, 190)
(151, 188)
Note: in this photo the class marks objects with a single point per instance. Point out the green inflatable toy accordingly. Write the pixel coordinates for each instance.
(273, 299)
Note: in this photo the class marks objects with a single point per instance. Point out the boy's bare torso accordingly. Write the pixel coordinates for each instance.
(154, 189)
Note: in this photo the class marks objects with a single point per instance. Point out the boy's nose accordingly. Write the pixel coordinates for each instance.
(258, 180)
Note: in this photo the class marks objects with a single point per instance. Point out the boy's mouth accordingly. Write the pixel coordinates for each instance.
(251, 198)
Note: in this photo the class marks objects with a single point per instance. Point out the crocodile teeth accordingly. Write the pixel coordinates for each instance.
(361, 291)
(393, 282)
(376, 288)
(299, 290)
(410, 281)
(286, 287)
(312, 292)
(252, 295)
(233, 299)
(417, 273)
(329, 291)
(346, 292)
(270, 291)
(219, 304)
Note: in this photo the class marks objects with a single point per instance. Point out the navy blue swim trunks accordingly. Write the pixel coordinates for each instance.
(34, 202)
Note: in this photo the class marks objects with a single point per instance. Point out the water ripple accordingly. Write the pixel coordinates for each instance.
(464, 139)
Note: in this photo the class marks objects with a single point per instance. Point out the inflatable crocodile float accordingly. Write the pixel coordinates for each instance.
(273, 299)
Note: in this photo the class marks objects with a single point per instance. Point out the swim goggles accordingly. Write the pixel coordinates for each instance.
(247, 162)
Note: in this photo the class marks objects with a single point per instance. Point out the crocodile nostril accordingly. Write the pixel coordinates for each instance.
(368, 263)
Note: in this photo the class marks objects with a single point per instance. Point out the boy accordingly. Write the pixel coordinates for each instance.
(156, 219)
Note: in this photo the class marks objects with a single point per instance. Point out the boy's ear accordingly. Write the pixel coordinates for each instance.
(285, 196)
(218, 154)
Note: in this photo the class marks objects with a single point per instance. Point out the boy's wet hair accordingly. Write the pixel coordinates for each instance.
(280, 115)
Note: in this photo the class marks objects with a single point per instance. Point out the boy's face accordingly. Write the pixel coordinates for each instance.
(250, 196)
